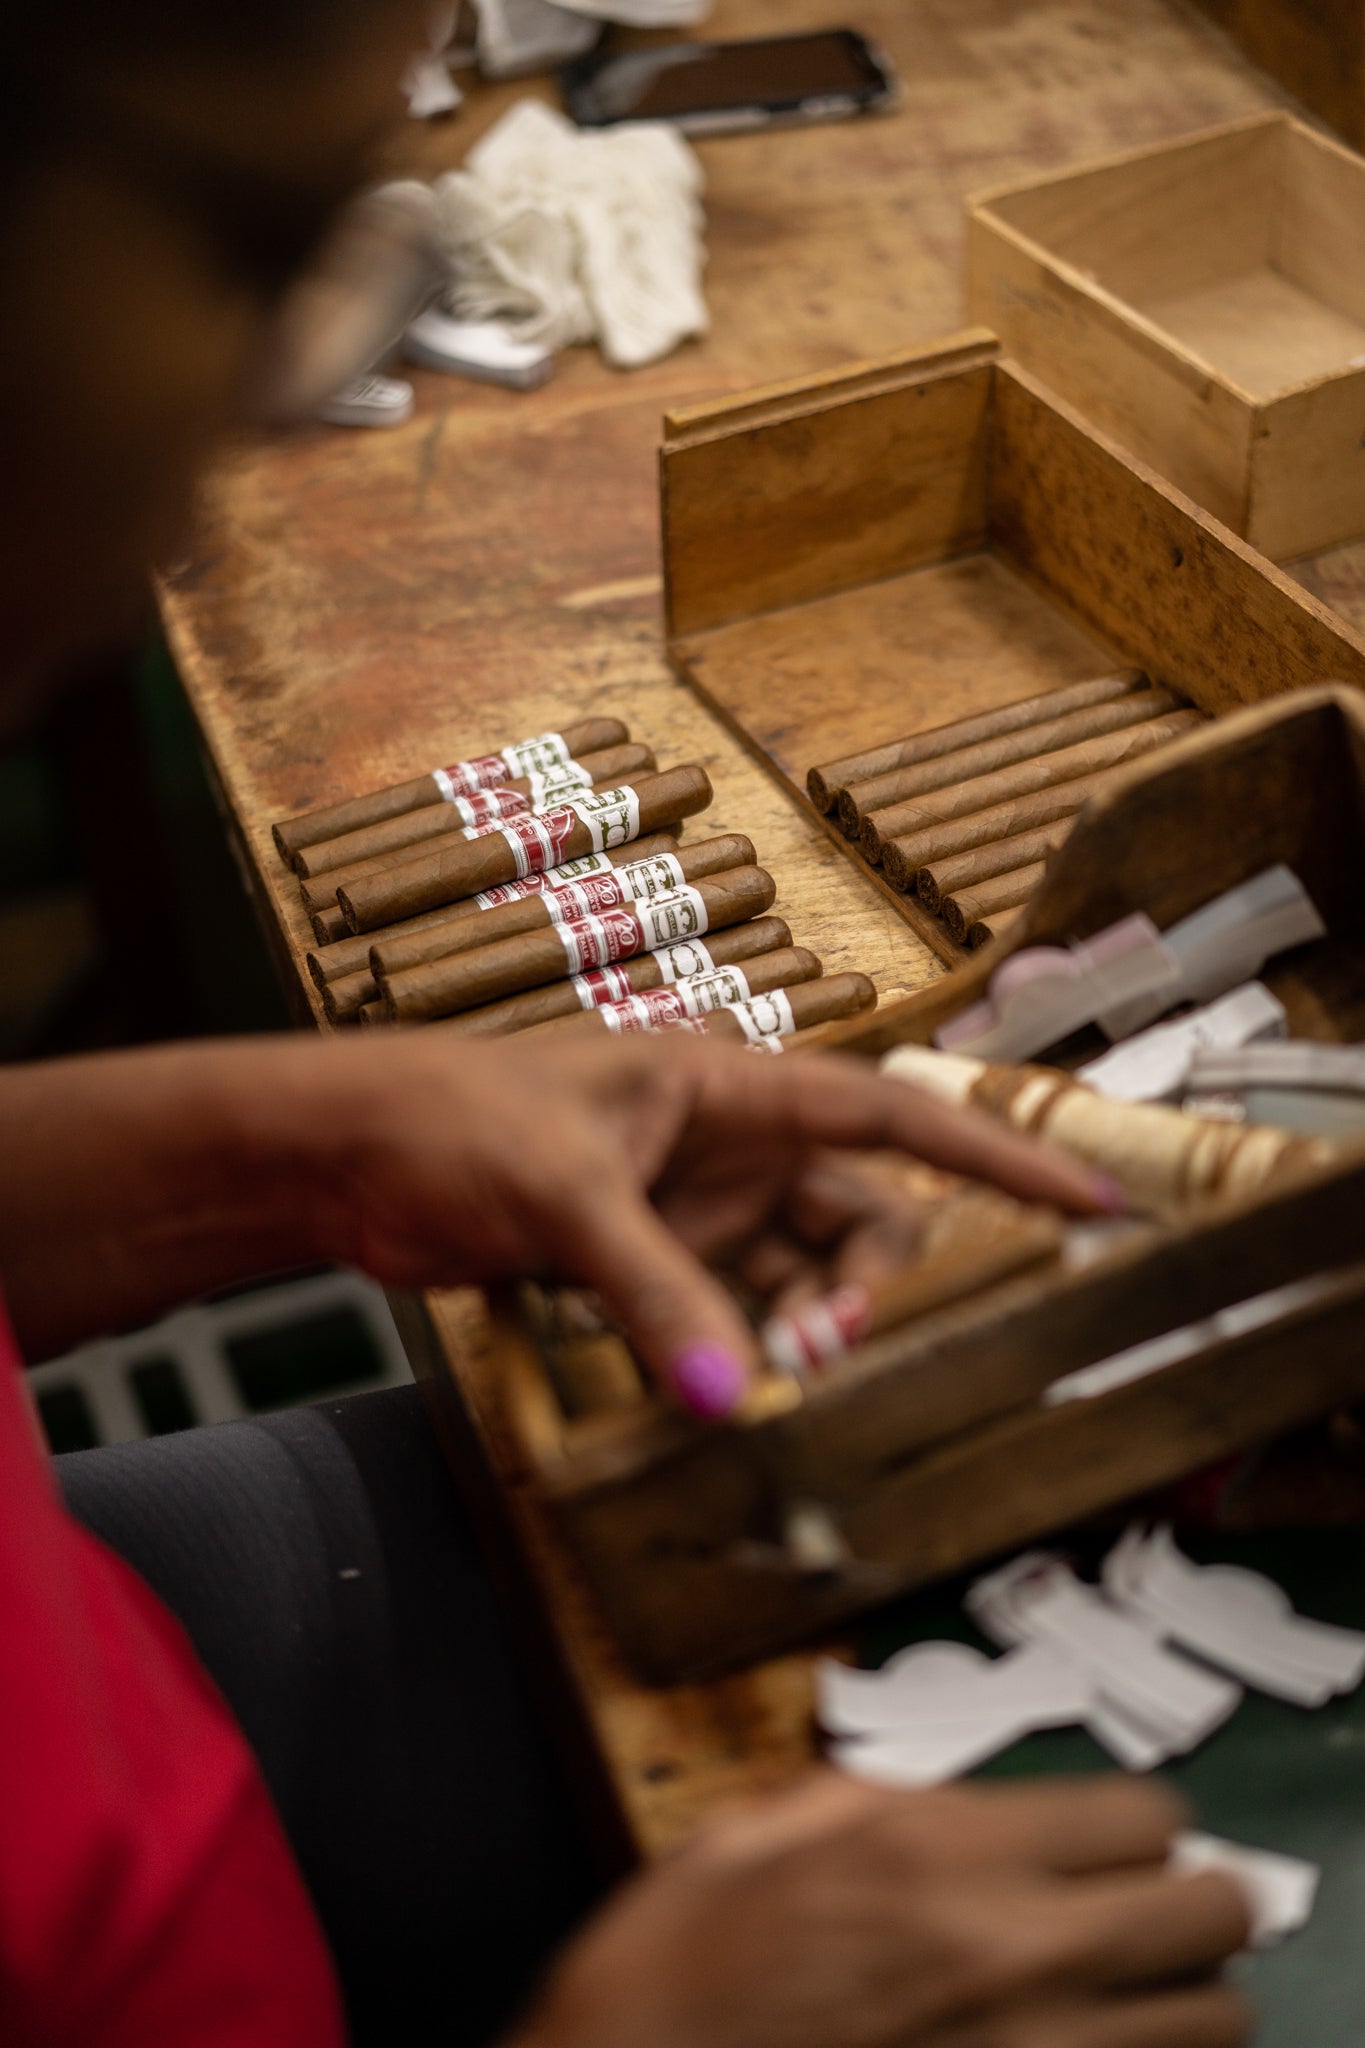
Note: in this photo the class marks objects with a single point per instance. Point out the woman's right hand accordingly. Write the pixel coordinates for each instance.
(837, 1915)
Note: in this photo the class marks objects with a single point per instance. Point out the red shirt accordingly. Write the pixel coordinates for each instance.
(148, 1897)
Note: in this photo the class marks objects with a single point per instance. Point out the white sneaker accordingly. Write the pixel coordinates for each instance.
(369, 402)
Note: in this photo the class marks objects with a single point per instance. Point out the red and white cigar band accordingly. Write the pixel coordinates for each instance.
(539, 885)
(559, 784)
(764, 1016)
(486, 806)
(602, 985)
(653, 1009)
(684, 962)
(659, 876)
(540, 755)
(612, 816)
(538, 839)
(809, 1337)
(597, 941)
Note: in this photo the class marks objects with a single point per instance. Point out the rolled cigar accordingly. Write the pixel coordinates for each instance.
(983, 931)
(347, 954)
(482, 807)
(673, 1003)
(626, 883)
(1002, 892)
(904, 859)
(885, 792)
(631, 881)
(787, 1010)
(1022, 778)
(486, 771)
(1160, 1156)
(482, 975)
(370, 1014)
(523, 846)
(328, 926)
(813, 1336)
(738, 942)
(984, 863)
(825, 783)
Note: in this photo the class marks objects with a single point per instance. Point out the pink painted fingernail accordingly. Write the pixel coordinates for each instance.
(1109, 1194)
(708, 1379)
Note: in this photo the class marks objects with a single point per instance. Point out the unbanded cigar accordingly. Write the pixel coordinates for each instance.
(825, 783)
(984, 863)
(505, 968)
(328, 926)
(524, 846)
(1160, 1156)
(486, 771)
(984, 931)
(787, 1010)
(1022, 778)
(972, 906)
(956, 836)
(652, 1009)
(470, 813)
(347, 954)
(656, 875)
(865, 799)
(738, 942)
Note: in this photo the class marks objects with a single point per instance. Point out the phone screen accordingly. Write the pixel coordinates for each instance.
(714, 78)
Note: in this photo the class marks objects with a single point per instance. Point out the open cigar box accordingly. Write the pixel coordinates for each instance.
(928, 538)
(931, 1447)
(1203, 301)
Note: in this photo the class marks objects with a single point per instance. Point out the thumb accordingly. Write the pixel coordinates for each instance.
(683, 1324)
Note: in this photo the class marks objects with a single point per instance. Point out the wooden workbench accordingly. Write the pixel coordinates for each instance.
(361, 604)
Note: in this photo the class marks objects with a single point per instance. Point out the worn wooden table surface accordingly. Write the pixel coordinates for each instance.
(359, 605)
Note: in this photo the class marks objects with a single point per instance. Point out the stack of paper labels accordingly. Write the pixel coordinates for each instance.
(1151, 1662)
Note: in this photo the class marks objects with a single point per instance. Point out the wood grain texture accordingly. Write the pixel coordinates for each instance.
(356, 605)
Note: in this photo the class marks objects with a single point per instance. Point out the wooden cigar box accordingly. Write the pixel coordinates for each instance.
(1315, 47)
(930, 1448)
(862, 555)
(1204, 302)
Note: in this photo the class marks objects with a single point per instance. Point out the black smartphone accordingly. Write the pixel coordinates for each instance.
(717, 88)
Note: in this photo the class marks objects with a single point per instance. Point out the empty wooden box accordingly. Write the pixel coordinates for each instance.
(852, 558)
(931, 1449)
(1204, 302)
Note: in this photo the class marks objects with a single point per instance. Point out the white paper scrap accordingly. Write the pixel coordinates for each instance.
(1280, 1890)
(1153, 1066)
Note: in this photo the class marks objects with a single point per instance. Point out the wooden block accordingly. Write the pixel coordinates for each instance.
(1204, 302)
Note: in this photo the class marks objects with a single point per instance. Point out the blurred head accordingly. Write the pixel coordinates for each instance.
(166, 171)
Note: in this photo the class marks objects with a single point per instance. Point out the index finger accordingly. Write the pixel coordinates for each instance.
(830, 1099)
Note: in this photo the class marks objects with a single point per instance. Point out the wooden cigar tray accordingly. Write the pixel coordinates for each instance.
(854, 557)
(1204, 302)
(930, 1449)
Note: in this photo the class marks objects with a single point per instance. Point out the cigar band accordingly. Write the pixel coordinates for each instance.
(462, 778)
(601, 985)
(684, 962)
(596, 941)
(647, 1011)
(823, 1330)
(657, 877)
(573, 900)
(486, 806)
(538, 838)
(548, 790)
(714, 991)
(764, 1016)
(553, 878)
(668, 920)
(612, 816)
(540, 755)
(769, 1044)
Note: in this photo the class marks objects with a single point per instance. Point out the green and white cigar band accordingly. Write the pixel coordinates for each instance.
(653, 1009)
(559, 784)
(660, 876)
(553, 878)
(637, 927)
(684, 961)
(764, 1016)
(612, 816)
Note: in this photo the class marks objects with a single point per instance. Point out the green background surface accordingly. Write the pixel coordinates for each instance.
(1274, 1776)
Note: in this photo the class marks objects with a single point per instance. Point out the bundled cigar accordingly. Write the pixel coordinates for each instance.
(681, 1002)
(827, 783)
(576, 945)
(767, 1019)
(470, 814)
(540, 755)
(639, 880)
(349, 952)
(968, 914)
(526, 845)
(686, 961)
(966, 871)
(1163, 1158)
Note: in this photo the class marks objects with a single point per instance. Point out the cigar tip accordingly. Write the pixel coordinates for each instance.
(927, 889)
(818, 790)
(870, 842)
(846, 811)
(316, 969)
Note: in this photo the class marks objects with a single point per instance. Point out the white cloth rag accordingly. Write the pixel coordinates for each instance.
(569, 236)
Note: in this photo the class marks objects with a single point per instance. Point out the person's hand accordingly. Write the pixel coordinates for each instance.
(625, 1166)
(150, 1177)
(840, 1916)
